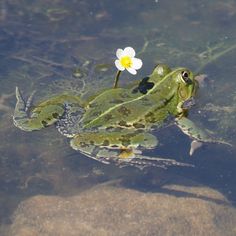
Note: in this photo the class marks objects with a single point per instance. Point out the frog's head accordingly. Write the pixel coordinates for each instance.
(182, 76)
(187, 87)
(179, 83)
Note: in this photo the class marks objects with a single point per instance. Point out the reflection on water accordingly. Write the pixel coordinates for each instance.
(50, 46)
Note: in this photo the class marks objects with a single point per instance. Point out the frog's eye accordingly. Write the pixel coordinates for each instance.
(185, 77)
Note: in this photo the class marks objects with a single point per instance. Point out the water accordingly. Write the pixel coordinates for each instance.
(42, 44)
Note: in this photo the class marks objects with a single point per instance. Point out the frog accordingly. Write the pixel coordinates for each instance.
(117, 124)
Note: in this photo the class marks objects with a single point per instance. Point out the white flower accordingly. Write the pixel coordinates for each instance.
(126, 60)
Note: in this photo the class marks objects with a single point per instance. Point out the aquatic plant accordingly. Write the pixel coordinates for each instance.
(126, 60)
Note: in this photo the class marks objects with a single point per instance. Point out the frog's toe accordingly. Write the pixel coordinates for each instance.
(20, 103)
(29, 101)
(18, 93)
(194, 146)
(141, 162)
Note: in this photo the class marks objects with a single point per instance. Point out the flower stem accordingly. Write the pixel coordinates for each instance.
(117, 78)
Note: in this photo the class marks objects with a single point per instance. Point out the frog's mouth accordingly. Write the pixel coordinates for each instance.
(190, 102)
(187, 93)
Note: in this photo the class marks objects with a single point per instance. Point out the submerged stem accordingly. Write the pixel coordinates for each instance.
(217, 56)
(117, 78)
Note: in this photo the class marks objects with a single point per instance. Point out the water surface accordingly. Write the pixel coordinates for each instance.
(42, 44)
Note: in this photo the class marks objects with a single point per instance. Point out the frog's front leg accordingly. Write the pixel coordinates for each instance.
(198, 135)
(117, 144)
(40, 116)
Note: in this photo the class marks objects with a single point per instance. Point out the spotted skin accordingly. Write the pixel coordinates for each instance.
(115, 139)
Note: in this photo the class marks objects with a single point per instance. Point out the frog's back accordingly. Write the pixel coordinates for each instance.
(105, 104)
(123, 108)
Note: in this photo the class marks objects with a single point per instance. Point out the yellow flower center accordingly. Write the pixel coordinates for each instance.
(126, 62)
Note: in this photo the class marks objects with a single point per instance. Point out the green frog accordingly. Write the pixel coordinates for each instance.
(117, 124)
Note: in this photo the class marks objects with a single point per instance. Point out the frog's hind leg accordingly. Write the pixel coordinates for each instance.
(125, 157)
(99, 154)
(119, 139)
(111, 146)
(100, 146)
(102, 154)
(41, 116)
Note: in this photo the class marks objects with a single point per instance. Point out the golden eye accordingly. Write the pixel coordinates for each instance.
(185, 77)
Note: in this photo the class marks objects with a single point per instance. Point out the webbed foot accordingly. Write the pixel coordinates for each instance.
(20, 117)
(27, 119)
(140, 161)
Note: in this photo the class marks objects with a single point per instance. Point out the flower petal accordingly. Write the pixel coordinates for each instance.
(119, 66)
(129, 51)
(136, 63)
(119, 52)
(132, 71)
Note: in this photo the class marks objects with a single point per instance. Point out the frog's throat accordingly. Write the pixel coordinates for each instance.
(133, 100)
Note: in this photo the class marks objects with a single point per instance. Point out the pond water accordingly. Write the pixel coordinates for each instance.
(56, 45)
